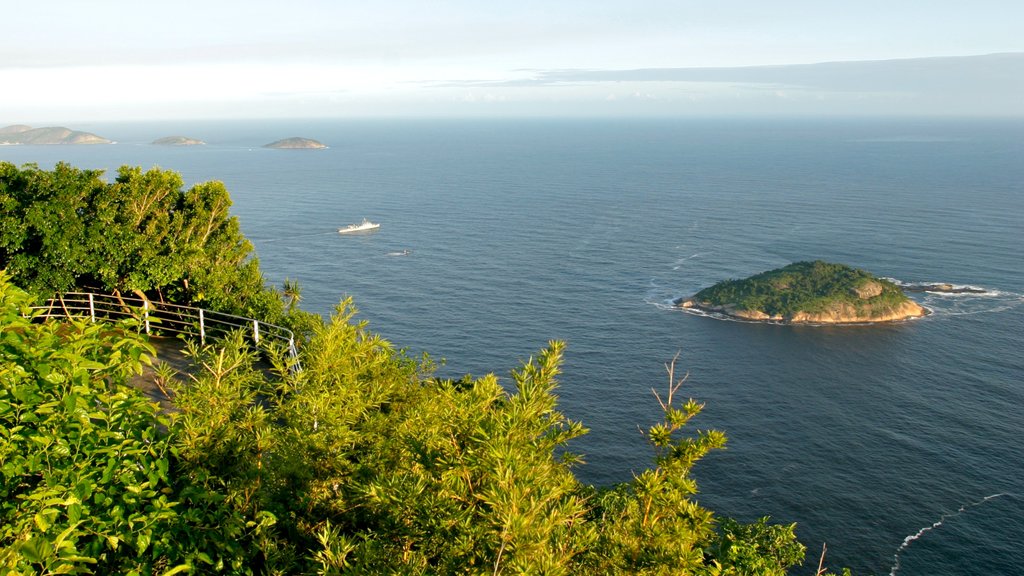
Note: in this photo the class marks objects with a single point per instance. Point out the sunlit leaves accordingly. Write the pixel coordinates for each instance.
(86, 475)
(142, 233)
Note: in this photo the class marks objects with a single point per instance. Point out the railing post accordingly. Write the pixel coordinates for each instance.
(277, 333)
(294, 354)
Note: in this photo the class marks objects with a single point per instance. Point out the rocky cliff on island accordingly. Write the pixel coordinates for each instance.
(296, 144)
(21, 134)
(808, 293)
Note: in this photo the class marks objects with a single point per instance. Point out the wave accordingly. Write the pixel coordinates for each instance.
(963, 300)
(956, 290)
(679, 263)
(942, 519)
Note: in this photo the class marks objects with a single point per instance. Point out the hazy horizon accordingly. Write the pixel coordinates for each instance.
(67, 62)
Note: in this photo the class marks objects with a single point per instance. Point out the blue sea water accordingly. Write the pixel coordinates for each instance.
(900, 446)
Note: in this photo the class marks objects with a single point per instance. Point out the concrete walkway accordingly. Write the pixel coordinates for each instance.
(168, 351)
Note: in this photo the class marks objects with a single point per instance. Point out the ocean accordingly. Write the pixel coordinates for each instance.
(899, 445)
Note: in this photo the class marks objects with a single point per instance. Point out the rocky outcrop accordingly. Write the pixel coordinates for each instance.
(731, 310)
(942, 288)
(847, 314)
(868, 289)
(838, 313)
(21, 134)
(296, 144)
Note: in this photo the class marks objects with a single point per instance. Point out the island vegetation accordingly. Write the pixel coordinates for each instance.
(178, 141)
(808, 292)
(364, 462)
(296, 144)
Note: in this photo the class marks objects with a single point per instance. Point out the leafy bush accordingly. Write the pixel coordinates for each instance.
(86, 475)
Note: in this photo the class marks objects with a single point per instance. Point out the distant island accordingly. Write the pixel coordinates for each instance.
(21, 134)
(178, 141)
(808, 293)
(296, 144)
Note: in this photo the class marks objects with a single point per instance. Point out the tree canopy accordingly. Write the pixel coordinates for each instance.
(67, 228)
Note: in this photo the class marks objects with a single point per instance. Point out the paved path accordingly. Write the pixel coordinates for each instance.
(168, 351)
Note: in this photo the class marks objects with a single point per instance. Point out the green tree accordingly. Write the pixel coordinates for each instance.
(142, 233)
(42, 230)
(87, 476)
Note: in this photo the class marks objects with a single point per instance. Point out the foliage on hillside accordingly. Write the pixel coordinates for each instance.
(66, 228)
(362, 463)
(87, 478)
(802, 286)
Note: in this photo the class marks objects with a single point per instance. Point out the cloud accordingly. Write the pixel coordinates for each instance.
(989, 84)
(992, 73)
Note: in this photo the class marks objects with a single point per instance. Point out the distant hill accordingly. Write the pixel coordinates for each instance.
(178, 141)
(14, 129)
(296, 143)
(21, 134)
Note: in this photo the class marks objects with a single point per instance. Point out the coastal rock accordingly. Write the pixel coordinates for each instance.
(837, 314)
(296, 144)
(178, 141)
(846, 314)
(21, 134)
(943, 288)
(867, 290)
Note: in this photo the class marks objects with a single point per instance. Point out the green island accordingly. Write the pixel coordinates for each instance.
(365, 461)
(808, 293)
(296, 143)
(178, 141)
(22, 134)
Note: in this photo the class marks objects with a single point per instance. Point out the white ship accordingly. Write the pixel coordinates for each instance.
(364, 226)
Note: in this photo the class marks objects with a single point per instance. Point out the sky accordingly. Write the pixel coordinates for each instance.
(102, 60)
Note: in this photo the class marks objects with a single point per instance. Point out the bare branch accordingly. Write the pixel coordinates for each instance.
(673, 384)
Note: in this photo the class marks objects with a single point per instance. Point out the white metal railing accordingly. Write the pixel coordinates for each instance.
(171, 318)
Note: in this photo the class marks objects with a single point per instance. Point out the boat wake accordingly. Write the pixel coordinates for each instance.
(292, 237)
(942, 519)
